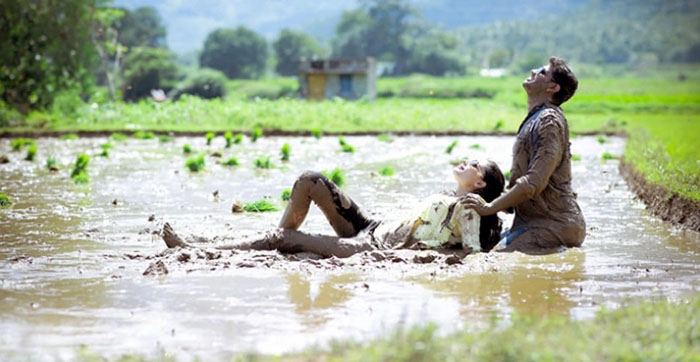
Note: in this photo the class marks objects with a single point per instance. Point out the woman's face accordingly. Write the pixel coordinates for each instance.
(469, 175)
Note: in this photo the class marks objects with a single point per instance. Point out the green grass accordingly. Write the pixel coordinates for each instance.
(79, 173)
(105, 149)
(231, 162)
(4, 200)
(18, 144)
(608, 156)
(31, 153)
(70, 137)
(262, 205)
(384, 137)
(344, 146)
(164, 138)
(196, 163)
(337, 176)
(209, 136)
(263, 162)
(451, 147)
(143, 135)
(285, 152)
(256, 133)
(186, 148)
(119, 137)
(228, 136)
(317, 133)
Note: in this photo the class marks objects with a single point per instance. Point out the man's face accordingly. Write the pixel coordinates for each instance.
(539, 81)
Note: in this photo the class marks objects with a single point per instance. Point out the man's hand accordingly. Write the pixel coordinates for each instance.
(475, 202)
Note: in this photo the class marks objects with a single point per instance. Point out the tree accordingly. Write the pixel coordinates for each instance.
(142, 27)
(45, 47)
(431, 51)
(146, 69)
(289, 47)
(239, 53)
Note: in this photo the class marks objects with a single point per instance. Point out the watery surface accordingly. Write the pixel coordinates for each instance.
(68, 275)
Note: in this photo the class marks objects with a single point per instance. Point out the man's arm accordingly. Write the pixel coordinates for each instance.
(546, 158)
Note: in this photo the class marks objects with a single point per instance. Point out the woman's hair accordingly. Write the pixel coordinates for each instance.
(490, 230)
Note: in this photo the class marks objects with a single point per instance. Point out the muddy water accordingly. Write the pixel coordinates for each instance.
(72, 256)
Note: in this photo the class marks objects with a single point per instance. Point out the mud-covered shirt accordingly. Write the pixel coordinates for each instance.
(542, 163)
(439, 222)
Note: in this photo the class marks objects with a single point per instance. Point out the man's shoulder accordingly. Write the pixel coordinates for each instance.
(550, 117)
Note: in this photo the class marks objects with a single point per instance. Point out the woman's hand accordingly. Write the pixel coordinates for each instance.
(475, 202)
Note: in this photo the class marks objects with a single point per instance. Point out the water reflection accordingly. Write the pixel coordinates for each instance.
(311, 298)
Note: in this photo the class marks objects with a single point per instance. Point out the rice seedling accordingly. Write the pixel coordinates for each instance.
(19, 143)
(337, 176)
(4, 200)
(575, 157)
(210, 137)
(499, 124)
(164, 138)
(238, 139)
(262, 205)
(70, 137)
(451, 147)
(601, 140)
(344, 146)
(186, 148)
(195, 164)
(256, 133)
(143, 135)
(118, 137)
(286, 194)
(475, 146)
(608, 156)
(231, 162)
(385, 137)
(317, 133)
(263, 162)
(285, 152)
(387, 171)
(79, 173)
(51, 164)
(31, 153)
(228, 136)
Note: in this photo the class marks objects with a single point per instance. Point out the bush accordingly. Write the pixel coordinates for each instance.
(146, 69)
(239, 53)
(203, 83)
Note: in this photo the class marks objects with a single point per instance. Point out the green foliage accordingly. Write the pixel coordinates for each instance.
(79, 173)
(164, 138)
(387, 171)
(286, 194)
(141, 27)
(475, 146)
(317, 133)
(186, 148)
(344, 146)
(238, 139)
(203, 83)
(228, 136)
(195, 164)
(143, 135)
(499, 124)
(451, 147)
(118, 137)
(146, 69)
(337, 176)
(18, 144)
(607, 156)
(285, 151)
(4, 200)
(263, 162)
(506, 176)
(31, 153)
(51, 164)
(262, 205)
(384, 138)
(238, 53)
(256, 133)
(290, 46)
(69, 137)
(231, 162)
(45, 48)
(210, 137)
(601, 139)
(575, 157)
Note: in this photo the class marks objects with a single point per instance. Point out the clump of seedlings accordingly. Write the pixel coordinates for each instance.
(286, 194)
(475, 146)
(19, 143)
(608, 156)
(4, 200)
(31, 152)
(344, 146)
(262, 205)
(210, 137)
(195, 164)
(384, 137)
(575, 157)
(118, 137)
(70, 137)
(387, 171)
(499, 124)
(263, 162)
(79, 173)
(238, 139)
(256, 133)
(228, 136)
(317, 133)
(51, 164)
(105, 149)
(231, 162)
(601, 140)
(164, 138)
(451, 147)
(337, 176)
(144, 135)
(186, 148)
(285, 151)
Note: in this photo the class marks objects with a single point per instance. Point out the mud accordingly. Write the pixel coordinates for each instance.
(667, 205)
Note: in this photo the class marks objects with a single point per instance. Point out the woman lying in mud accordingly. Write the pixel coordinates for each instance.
(441, 223)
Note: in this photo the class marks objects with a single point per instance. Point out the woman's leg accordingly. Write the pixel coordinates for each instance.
(342, 213)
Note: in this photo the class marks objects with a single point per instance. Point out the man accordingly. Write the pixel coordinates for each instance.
(547, 216)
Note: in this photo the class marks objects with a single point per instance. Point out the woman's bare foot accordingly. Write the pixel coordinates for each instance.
(171, 239)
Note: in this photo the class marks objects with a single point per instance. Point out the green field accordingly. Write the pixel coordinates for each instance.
(659, 110)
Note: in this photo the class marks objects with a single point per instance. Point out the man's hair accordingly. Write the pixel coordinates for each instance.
(562, 75)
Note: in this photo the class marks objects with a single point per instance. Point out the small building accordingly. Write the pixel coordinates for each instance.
(349, 78)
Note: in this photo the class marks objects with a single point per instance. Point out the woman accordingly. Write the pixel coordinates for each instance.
(441, 222)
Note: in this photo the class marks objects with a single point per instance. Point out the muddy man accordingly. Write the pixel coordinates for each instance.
(547, 216)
